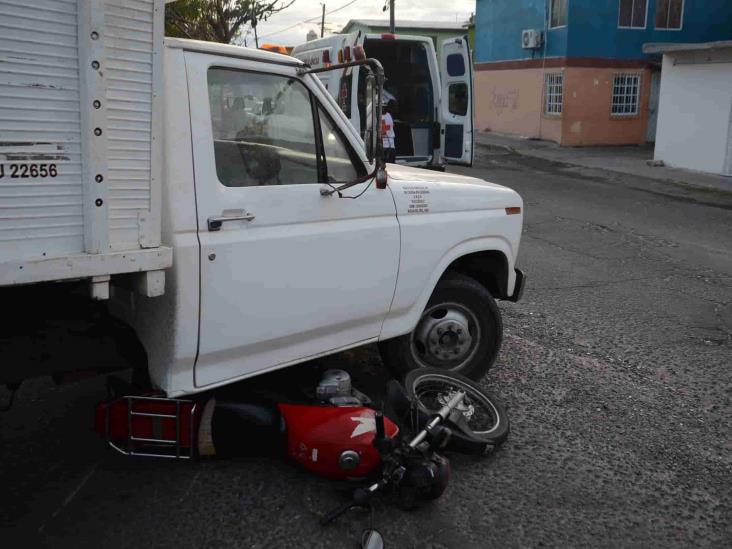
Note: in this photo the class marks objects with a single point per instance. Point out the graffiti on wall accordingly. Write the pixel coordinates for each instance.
(502, 100)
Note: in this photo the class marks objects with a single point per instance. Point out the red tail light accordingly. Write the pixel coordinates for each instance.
(388, 36)
(326, 57)
(347, 53)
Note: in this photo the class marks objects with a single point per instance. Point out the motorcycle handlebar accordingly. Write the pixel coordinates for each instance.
(361, 497)
(333, 514)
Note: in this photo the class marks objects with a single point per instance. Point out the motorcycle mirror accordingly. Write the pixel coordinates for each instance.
(372, 539)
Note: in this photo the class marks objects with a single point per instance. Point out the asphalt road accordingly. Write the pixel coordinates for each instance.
(616, 370)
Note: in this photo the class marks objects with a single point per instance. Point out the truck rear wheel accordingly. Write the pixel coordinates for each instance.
(460, 330)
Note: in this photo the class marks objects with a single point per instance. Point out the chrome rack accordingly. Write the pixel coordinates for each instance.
(156, 446)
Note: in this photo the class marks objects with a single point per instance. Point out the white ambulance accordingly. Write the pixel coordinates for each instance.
(433, 106)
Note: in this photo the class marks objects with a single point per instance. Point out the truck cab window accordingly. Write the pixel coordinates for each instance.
(263, 129)
(339, 158)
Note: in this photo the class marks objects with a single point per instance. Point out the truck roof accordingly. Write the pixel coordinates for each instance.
(215, 48)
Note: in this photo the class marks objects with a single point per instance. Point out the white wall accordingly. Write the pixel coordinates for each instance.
(695, 111)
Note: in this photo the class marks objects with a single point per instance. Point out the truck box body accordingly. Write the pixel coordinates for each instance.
(80, 139)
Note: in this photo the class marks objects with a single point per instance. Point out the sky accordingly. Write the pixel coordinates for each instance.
(289, 27)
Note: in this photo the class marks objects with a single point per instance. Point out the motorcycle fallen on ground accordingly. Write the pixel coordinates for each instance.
(331, 429)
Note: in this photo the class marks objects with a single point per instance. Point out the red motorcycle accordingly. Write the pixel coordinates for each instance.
(334, 430)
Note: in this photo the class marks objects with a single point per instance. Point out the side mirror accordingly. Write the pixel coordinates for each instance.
(381, 178)
(370, 134)
(372, 539)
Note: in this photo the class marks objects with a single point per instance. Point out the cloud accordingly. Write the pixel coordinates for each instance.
(289, 27)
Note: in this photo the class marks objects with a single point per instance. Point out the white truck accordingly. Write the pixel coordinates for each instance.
(170, 206)
(433, 98)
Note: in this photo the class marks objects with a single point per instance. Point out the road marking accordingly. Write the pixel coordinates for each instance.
(72, 494)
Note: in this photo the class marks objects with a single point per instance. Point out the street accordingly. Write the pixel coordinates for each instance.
(615, 368)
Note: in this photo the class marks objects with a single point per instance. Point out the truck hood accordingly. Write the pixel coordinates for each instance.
(408, 173)
(418, 190)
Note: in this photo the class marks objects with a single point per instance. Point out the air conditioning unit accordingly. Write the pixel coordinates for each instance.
(531, 39)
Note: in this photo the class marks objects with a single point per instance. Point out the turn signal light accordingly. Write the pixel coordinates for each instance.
(513, 211)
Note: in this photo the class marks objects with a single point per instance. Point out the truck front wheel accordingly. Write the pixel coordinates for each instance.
(460, 330)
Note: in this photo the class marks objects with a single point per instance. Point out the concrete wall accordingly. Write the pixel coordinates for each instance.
(592, 29)
(498, 26)
(587, 118)
(695, 112)
(511, 101)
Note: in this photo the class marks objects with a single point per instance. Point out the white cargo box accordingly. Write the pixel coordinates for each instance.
(80, 140)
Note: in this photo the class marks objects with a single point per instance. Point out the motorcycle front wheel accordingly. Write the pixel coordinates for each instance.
(482, 421)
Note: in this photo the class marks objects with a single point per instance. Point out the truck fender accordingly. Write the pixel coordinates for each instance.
(408, 304)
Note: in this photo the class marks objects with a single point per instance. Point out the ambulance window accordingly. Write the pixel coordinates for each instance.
(263, 129)
(455, 64)
(458, 99)
(340, 161)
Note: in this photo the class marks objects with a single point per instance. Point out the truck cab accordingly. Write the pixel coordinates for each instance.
(432, 99)
(269, 270)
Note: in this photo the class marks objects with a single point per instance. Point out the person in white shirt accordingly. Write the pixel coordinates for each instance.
(387, 132)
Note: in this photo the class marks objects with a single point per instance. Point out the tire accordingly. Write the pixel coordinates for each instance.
(458, 302)
(484, 423)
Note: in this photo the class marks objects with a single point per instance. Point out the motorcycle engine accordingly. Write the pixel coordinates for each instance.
(335, 388)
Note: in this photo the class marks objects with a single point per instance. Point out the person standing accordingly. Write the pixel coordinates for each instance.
(387, 133)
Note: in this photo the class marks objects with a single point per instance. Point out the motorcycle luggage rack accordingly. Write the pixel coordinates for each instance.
(158, 445)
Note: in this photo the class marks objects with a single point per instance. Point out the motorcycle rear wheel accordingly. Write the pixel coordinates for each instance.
(483, 421)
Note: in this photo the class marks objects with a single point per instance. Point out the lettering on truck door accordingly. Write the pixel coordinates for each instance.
(286, 273)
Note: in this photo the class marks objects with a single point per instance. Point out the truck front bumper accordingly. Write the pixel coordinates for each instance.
(518, 289)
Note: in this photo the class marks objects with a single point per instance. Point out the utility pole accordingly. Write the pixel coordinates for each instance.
(322, 21)
(392, 28)
(254, 26)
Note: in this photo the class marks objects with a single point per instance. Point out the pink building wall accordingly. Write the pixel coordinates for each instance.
(511, 100)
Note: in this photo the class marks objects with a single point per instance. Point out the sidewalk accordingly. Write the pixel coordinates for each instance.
(630, 160)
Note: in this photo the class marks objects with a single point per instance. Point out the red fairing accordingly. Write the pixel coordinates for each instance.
(318, 435)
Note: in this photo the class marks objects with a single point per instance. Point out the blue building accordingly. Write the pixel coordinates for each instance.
(574, 71)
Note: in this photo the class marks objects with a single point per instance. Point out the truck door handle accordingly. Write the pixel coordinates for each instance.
(215, 223)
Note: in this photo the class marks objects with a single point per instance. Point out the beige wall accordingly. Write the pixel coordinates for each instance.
(508, 101)
(587, 118)
(511, 101)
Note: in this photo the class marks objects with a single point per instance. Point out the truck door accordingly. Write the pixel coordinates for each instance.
(286, 274)
(456, 109)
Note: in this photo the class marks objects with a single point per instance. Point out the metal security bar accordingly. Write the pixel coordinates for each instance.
(156, 445)
(553, 92)
(626, 93)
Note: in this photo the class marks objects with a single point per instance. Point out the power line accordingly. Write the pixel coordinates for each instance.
(309, 20)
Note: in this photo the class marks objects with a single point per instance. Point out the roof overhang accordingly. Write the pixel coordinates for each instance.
(666, 47)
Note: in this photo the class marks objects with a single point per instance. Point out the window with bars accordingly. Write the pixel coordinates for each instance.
(558, 13)
(669, 14)
(632, 14)
(553, 93)
(626, 94)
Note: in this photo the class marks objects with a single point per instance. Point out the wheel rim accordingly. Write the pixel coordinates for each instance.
(432, 391)
(447, 336)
